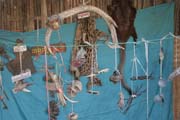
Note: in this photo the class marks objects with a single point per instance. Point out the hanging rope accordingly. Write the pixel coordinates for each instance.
(72, 104)
(37, 22)
(147, 72)
(47, 93)
(92, 67)
(161, 55)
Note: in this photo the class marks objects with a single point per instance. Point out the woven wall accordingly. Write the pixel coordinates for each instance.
(27, 15)
(176, 83)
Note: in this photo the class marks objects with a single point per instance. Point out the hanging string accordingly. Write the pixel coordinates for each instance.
(47, 93)
(115, 58)
(161, 60)
(151, 41)
(59, 35)
(147, 72)
(116, 65)
(92, 67)
(134, 65)
(72, 105)
(61, 57)
(37, 37)
(96, 57)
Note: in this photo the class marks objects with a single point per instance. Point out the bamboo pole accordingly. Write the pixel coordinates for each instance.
(176, 83)
(43, 13)
(18, 16)
(31, 15)
(1, 14)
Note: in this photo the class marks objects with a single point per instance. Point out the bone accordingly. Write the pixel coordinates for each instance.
(21, 86)
(174, 74)
(110, 22)
(60, 93)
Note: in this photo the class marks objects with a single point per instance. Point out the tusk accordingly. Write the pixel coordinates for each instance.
(47, 38)
(84, 8)
(103, 70)
(68, 99)
(110, 22)
(25, 90)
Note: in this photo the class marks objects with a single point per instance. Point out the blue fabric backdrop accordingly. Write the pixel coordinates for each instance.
(151, 23)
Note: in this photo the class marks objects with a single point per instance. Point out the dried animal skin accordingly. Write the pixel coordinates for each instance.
(54, 110)
(94, 81)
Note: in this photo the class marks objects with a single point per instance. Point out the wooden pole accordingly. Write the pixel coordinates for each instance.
(31, 15)
(176, 81)
(43, 13)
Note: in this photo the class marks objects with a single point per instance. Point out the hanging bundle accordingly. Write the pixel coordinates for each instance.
(60, 93)
(74, 88)
(54, 110)
(121, 101)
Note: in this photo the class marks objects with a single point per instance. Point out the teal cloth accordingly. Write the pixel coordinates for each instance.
(151, 23)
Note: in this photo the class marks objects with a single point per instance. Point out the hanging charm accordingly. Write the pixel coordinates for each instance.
(74, 88)
(73, 116)
(159, 98)
(54, 110)
(116, 77)
(121, 102)
(60, 93)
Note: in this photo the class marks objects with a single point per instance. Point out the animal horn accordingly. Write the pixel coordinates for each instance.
(68, 99)
(110, 22)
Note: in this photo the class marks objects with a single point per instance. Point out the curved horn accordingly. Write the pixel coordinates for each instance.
(68, 99)
(110, 22)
